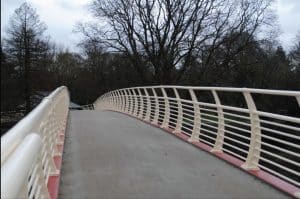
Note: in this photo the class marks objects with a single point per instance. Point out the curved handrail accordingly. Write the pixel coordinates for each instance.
(260, 140)
(19, 165)
(48, 120)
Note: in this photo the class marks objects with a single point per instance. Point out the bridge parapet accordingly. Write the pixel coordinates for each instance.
(264, 143)
(31, 150)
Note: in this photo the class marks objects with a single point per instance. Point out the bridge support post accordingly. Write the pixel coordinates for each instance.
(165, 123)
(255, 140)
(221, 125)
(197, 118)
(156, 108)
(180, 113)
(148, 104)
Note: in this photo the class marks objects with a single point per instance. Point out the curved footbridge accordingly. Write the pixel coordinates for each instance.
(111, 155)
(156, 142)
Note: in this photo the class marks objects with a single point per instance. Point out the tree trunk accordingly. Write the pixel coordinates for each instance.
(26, 76)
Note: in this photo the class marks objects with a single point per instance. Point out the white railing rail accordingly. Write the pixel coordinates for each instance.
(28, 149)
(262, 140)
(19, 165)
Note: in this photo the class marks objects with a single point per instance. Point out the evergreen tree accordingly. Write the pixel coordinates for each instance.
(24, 43)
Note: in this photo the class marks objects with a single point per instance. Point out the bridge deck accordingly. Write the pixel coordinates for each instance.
(111, 155)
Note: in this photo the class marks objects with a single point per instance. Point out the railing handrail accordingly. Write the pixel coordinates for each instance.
(32, 157)
(19, 164)
(28, 124)
(228, 89)
(246, 133)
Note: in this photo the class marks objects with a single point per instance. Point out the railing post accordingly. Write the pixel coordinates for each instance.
(136, 104)
(115, 100)
(127, 101)
(131, 104)
(109, 100)
(156, 108)
(119, 100)
(148, 102)
(197, 118)
(123, 98)
(180, 113)
(221, 125)
(141, 113)
(298, 100)
(255, 140)
(165, 123)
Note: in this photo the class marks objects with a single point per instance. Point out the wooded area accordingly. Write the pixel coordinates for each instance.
(138, 42)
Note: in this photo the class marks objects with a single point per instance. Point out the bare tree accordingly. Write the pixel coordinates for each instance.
(295, 52)
(25, 43)
(162, 36)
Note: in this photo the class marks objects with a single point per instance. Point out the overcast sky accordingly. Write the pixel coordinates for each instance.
(61, 16)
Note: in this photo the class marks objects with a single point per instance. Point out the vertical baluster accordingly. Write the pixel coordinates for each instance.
(197, 118)
(255, 140)
(142, 106)
(165, 123)
(298, 99)
(221, 124)
(119, 101)
(180, 113)
(136, 104)
(115, 100)
(109, 100)
(127, 101)
(148, 102)
(123, 101)
(130, 101)
(156, 108)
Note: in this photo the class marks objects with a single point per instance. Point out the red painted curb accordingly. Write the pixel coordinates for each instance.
(276, 182)
(54, 180)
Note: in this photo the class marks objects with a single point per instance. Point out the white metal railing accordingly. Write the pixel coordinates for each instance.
(28, 149)
(262, 140)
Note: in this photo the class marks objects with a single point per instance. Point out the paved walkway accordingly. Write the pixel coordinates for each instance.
(111, 155)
